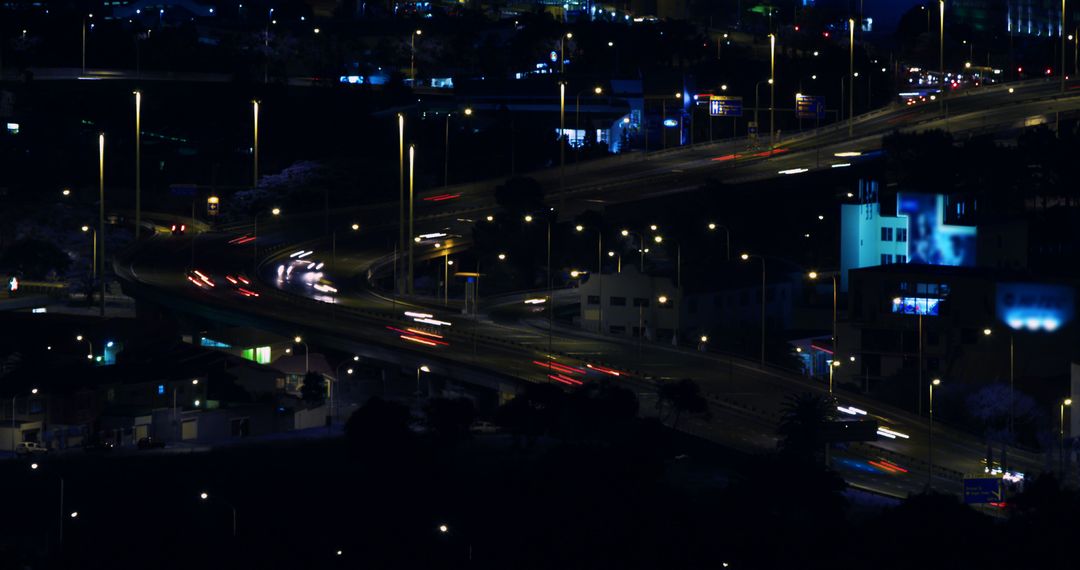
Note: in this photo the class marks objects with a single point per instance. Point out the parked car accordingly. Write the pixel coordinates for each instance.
(484, 427)
(150, 443)
(99, 447)
(28, 448)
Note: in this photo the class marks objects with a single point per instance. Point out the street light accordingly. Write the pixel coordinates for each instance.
(1061, 436)
(1012, 380)
(618, 261)
(832, 366)
(772, 89)
(299, 340)
(446, 146)
(421, 368)
(90, 343)
(138, 164)
(746, 257)
(60, 527)
(851, 75)
(813, 275)
(101, 216)
(204, 496)
(255, 145)
(412, 56)
(727, 238)
(255, 239)
(930, 452)
(577, 107)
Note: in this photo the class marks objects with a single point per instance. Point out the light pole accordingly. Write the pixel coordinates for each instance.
(551, 295)
(562, 134)
(562, 45)
(80, 338)
(678, 285)
(412, 187)
(772, 90)
(641, 250)
(446, 147)
(747, 257)
(176, 423)
(337, 373)
(422, 368)
(851, 75)
(255, 145)
(930, 448)
(813, 275)
(757, 100)
(60, 527)
(101, 216)
(412, 56)
(255, 241)
(577, 109)
(941, 50)
(93, 250)
(832, 366)
(299, 340)
(138, 164)
(1012, 378)
(33, 391)
(1061, 436)
(447, 262)
(204, 496)
(618, 260)
(599, 273)
(401, 196)
(1062, 31)
(727, 238)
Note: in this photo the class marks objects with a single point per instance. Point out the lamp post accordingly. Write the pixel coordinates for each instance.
(204, 496)
(138, 164)
(93, 250)
(562, 134)
(562, 57)
(101, 216)
(551, 294)
(851, 75)
(1061, 436)
(618, 260)
(255, 144)
(757, 99)
(33, 391)
(60, 527)
(577, 108)
(255, 241)
(412, 56)
(447, 262)
(422, 368)
(641, 250)
(401, 195)
(412, 187)
(941, 50)
(813, 275)
(832, 366)
(1062, 33)
(299, 340)
(727, 238)
(930, 449)
(81, 338)
(678, 285)
(772, 90)
(446, 147)
(746, 257)
(1012, 380)
(599, 273)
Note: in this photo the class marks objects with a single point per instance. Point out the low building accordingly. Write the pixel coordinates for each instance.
(629, 303)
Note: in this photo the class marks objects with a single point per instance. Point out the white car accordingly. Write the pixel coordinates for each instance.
(30, 448)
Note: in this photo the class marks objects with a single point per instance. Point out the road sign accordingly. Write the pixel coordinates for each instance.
(983, 490)
(809, 106)
(212, 205)
(725, 106)
(751, 130)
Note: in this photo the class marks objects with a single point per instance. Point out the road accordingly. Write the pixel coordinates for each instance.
(744, 398)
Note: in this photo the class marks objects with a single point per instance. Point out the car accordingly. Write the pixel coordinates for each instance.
(27, 448)
(482, 427)
(99, 447)
(200, 279)
(178, 229)
(150, 443)
(241, 284)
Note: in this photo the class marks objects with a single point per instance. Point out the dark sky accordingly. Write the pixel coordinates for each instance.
(886, 13)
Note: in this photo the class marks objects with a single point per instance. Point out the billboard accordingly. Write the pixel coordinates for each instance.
(927, 306)
(930, 240)
(725, 106)
(809, 106)
(1034, 307)
(982, 490)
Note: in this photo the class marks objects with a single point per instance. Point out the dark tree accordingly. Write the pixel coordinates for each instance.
(378, 426)
(449, 419)
(35, 258)
(684, 396)
(802, 424)
(313, 390)
(533, 413)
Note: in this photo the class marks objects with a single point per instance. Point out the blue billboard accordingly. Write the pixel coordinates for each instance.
(1034, 307)
(930, 240)
(725, 106)
(927, 306)
(982, 490)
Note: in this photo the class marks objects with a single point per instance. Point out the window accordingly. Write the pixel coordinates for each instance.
(886, 258)
(240, 427)
(886, 234)
(901, 258)
(901, 234)
(641, 302)
(618, 301)
(594, 299)
(617, 329)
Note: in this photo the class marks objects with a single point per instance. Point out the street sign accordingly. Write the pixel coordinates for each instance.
(212, 205)
(751, 130)
(725, 106)
(983, 490)
(809, 106)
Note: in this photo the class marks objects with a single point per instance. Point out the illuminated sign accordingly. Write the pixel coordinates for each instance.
(809, 106)
(725, 106)
(930, 240)
(553, 56)
(213, 204)
(671, 122)
(1034, 307)
(927, 306)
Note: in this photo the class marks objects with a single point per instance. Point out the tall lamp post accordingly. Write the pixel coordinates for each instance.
(562, 134)
(551, 294)
(93, 250)
(1061, 436)
(930, 449)
(299, 340)
(412, 187)
(851, 75)
(641, 250)
(446, 146)
(419, 369)
(101, 216)
(255, 241)
(412, 56)
(90, 344)
(577, 107)
(401, 195)
(941, 50)
(757, 100)
(60, 527)
(33, 391)
(678, 285)
(772, 90)
(813, 275)
(255, 145)
(599, 273)
(138, 164)
(204, 496)
(727, 238)
(747, 257)
(1012, 382)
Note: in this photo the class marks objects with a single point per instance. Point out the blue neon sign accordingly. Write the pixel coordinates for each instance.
(927, 306)
(1034, 307)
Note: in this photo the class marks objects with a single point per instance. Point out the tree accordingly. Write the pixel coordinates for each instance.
(378, 426)
(802, 423)
(600, 410)
(313, 390)
(35, 258)
(532, 413)
(683, 396)
(990, 406)
(449, 419)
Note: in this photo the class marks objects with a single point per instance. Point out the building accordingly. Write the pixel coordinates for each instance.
(629, 303)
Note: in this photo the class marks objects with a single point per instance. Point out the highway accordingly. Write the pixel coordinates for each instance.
(745, 400)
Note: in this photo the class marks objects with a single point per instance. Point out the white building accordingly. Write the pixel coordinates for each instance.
(628, 302)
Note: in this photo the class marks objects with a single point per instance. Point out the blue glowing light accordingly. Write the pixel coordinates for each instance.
(160, 389)
(927, 306)
(671, 123)
(1034, 307)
